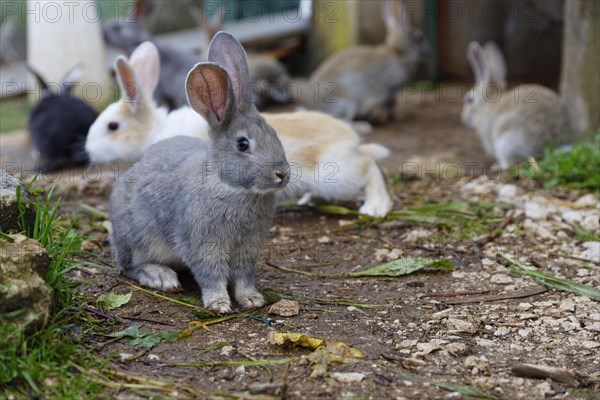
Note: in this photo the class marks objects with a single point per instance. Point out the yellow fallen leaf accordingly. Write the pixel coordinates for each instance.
(324, 354)
(192, 326)
(295, 339)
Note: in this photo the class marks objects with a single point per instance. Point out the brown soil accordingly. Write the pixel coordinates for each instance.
(404, 333)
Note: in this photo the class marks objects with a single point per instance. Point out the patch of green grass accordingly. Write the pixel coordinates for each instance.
(587, 236)
(577, 168)
(14, 114)
(38, 364)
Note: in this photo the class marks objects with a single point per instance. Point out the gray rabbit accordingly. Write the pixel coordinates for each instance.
(205, 206)
(128, 34)
(360, 83)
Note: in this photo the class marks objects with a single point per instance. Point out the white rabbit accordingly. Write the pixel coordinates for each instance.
(126, 128)
(518, 123)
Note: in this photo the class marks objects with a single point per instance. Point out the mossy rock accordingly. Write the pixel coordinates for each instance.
(9, 207)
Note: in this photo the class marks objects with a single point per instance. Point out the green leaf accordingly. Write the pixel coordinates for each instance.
(146, 341)
(335, 210)
(553, 282)
(170, 336)
(143, 337)
(404, 266)
(464, 390)
(112, 301)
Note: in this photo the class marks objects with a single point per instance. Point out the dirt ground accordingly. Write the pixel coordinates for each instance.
(428, 336)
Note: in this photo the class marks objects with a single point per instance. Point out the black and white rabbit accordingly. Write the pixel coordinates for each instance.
(59, 123)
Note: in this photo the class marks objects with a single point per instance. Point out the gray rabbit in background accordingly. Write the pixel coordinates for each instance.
(128, 34)
(204, 206)
(360, 83)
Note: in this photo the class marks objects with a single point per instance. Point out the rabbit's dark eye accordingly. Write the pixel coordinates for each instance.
(113, 126)
(243, 144)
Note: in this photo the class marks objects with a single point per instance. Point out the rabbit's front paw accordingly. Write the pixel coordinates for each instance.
(220, 305)
(250, 298)
(376, 207)
(158, 277)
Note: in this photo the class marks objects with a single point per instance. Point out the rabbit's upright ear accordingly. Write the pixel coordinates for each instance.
(394, 15)
(37, 76)
(130, 89)
(476, 58)
(496, 63)
(209, 92)
(71, 78)
(142, 8)
(228, 52)
(145, 61)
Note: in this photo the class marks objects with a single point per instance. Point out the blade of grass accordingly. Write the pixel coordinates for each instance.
(274, 296)
(93, 211)
(451, 387)
(402, 266)
(553, 282)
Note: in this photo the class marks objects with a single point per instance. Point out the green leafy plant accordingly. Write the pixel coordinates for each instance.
(576, 168)
(37, 364)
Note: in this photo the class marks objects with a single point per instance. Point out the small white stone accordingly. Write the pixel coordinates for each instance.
(535, 210)
(324, 239)
(351, 308)
(348, 377)
(485, 342)
(459, 325)
(583, 272)
(416, 234)
(567, 305)
(524, 332)
(501, 279)
(545, 388)
(592, 251)
(507, 193)
(525, 306)
(394, 254)
(590, 344)
(591, 223)
(153, 357)
(502, 331)
(241, 370)
(285, 308)
(426, 348)
(226, 350)
(442, 314)
(572, 217)
(588, 200)
(408, 343)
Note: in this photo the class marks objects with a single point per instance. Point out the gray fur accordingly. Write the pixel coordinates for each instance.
(204, 206)
(129, 33)
(361, 83)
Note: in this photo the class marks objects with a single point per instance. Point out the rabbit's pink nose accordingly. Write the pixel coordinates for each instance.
(280, 176)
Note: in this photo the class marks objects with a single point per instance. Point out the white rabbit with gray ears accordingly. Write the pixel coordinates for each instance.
(515, 124)
(204, 206)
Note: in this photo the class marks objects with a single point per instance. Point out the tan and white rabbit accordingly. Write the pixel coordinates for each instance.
(515, 124)
(126, 128)
(360, 83)
(328, 161)
(327, 157)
